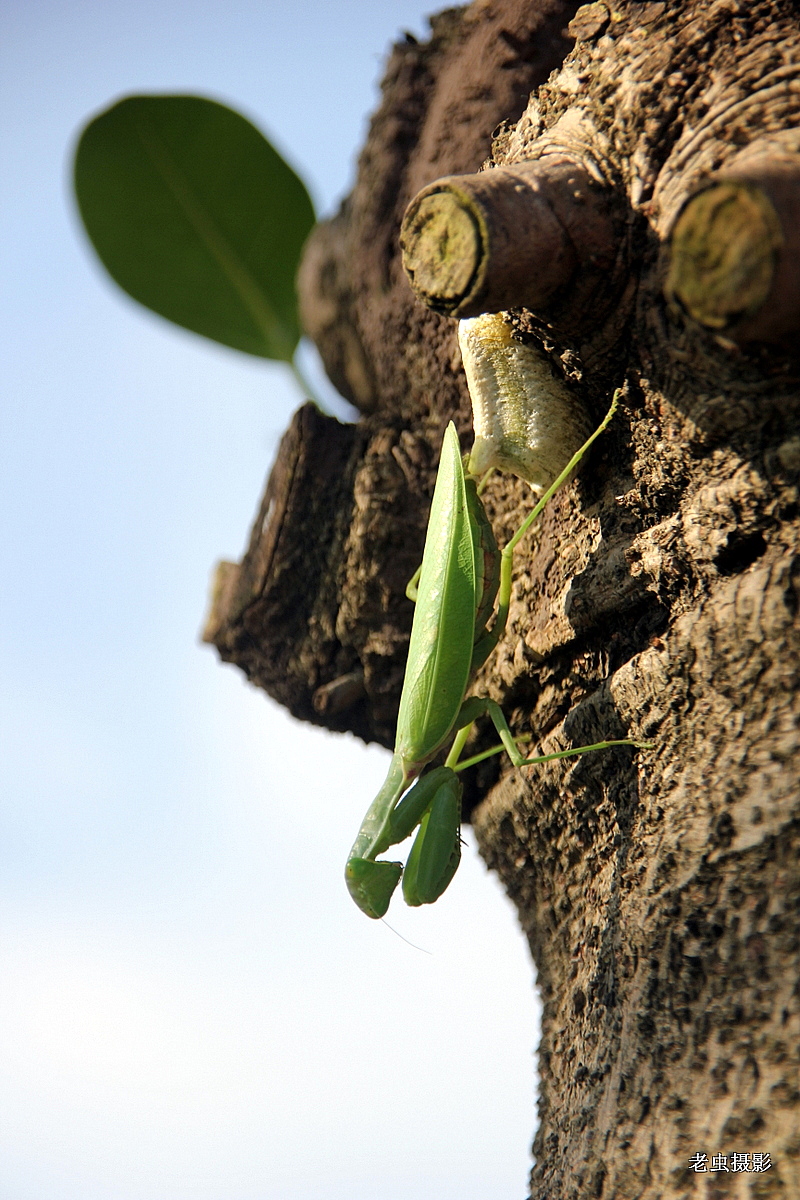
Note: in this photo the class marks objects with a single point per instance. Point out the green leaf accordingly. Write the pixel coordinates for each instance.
(196, 216)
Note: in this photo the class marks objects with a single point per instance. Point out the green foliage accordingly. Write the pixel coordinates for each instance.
(196, 216)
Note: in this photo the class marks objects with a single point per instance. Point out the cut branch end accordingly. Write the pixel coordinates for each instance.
(735, 252)
(513, 237)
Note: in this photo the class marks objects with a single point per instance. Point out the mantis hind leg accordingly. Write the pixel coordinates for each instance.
(477, 706)
(486, 640)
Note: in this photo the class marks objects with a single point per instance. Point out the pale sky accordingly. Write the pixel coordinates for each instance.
(191, 1006)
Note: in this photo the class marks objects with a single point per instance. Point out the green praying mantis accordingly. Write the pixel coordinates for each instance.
(462, 603)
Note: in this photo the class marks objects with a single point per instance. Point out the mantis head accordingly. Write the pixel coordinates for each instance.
(371, 884)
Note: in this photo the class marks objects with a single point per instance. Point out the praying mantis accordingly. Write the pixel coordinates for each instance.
(462, 603)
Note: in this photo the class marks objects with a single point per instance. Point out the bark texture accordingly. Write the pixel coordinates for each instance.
(660, 892)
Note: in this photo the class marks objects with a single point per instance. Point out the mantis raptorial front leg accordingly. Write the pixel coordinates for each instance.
(462, 608)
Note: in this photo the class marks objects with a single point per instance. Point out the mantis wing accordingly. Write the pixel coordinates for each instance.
(440, 650)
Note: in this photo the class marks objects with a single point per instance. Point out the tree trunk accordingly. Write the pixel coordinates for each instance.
(660, 892)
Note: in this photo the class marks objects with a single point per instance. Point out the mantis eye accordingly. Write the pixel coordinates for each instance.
(526, 420)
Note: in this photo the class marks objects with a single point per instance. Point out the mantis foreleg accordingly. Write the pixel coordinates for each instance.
(433, 803)
(436, 852)
(371, 883)
(388, 822)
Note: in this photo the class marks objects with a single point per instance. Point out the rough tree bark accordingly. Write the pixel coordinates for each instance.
(660, 894)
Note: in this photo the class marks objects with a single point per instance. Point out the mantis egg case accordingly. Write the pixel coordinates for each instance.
(525, 419)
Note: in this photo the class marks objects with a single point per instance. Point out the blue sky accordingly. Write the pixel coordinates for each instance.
(191, 1005)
